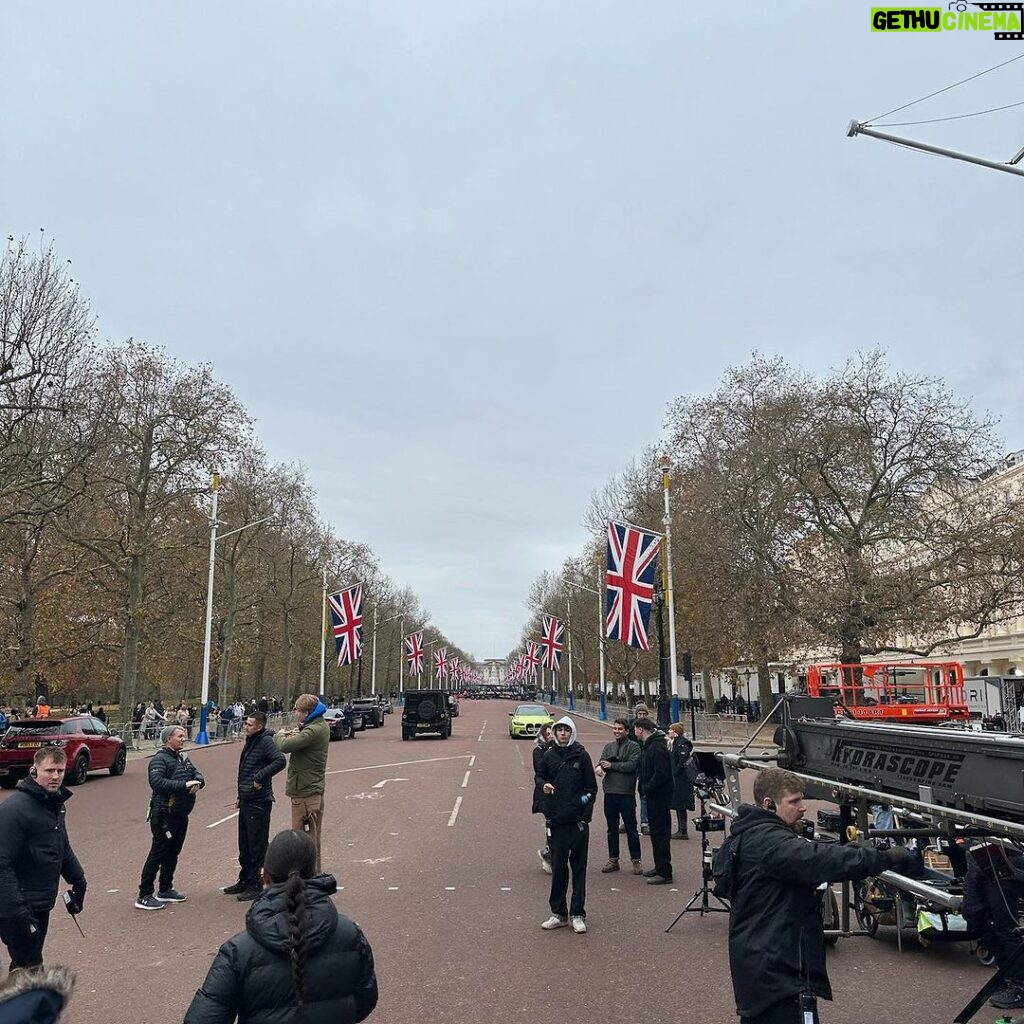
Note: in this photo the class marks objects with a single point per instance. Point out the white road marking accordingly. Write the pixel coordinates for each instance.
(472, 761)
(222, 820)
(465, 780)
(449, 888)
(392, 888)
(482, 727)
(455, 811)
(506, 888)
(110, 891)
(394, 764)
(362, 796)
(373, 860)
(383, 782)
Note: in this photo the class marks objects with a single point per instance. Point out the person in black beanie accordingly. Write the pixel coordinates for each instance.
(656, 784)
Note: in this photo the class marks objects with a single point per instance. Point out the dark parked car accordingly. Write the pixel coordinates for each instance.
(86, 741)
(426, 712)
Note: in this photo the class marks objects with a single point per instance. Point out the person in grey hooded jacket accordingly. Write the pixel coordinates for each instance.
(618, 766)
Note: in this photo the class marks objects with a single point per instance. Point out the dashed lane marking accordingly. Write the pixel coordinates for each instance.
(455, 811)
(472, 761)
(465, 780)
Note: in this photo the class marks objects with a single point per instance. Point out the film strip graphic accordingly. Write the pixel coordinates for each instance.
(1018, 7)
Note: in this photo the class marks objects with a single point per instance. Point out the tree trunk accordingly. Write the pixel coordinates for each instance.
(132, 636)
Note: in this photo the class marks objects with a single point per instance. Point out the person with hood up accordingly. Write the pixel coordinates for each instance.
(307, 766)
(656, 785)
(35, 853)
(36, 996)
(298, 958)
(541, 744)
(567, 779)
(770, 875)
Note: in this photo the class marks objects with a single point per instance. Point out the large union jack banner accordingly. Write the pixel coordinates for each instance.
(632, 565)
(346, 608)
(414, 653)
(551, 641)
(441, 663)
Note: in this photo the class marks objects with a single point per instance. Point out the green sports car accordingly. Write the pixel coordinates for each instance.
(527, 719)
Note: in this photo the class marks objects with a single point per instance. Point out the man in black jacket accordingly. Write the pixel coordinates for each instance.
(259, 762)
(567, 779)
(35, 853)
(770, 874)
(656, 784)
(175, 780)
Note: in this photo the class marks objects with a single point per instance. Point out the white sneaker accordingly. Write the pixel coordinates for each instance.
(554, 921)
(579, 925)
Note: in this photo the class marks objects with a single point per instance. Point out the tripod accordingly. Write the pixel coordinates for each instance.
(704, 824)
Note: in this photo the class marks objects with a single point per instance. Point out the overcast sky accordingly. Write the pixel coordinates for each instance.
(457, 257)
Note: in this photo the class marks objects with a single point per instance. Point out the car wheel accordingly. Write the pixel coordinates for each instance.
(79, 770)
(867, 920)
(120, 760)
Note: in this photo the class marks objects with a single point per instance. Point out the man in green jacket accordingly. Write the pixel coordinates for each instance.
(307, 766)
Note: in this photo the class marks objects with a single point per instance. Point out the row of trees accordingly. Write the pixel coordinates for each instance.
(105, 461)
(833, 519)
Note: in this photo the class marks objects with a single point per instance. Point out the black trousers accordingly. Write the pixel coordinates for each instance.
(25, 950)
(253, 837)
(168, 839)
(659, 818)
(622, 805)
(786, 1012)
(569, 845)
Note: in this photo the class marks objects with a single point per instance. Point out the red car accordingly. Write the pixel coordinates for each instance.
(86, 740)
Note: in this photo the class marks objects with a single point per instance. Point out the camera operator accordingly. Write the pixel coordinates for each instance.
(770, 874)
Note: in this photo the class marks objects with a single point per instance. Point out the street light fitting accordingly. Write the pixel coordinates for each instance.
(215, 481)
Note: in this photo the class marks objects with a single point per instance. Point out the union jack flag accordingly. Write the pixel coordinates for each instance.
(551, 641)
(632, 565)
(441, 663)
(414, 653)
(532, 658)
(346, 608)
(455, 670)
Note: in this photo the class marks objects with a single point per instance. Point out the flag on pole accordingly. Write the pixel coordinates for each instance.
(551, 641)
(532, 658)
(441, 663)
(346, 608)
(629, 583)
(414, 653)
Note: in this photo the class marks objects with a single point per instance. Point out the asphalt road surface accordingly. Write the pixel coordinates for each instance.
(435, 852)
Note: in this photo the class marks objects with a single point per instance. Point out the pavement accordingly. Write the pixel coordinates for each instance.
(434, 848)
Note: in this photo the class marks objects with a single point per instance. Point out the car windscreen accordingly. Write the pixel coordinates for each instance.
(34, 729)
(531, 710)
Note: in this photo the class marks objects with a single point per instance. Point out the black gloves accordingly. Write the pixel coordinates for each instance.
(77, 897)
(898, 858)
(24, 923)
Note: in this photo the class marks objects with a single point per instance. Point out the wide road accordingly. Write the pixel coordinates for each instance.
(434, 849)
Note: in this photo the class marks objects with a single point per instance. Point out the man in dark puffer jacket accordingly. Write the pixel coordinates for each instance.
(296, 952)
(34, 853)
(258, 763)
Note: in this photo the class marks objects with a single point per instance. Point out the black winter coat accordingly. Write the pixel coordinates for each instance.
(168, 773)
(259, 761)
(35, 852)
(570, 770)
(655, 776)
(540, 801)
(776, 937)
(682, 785)
(251, 976)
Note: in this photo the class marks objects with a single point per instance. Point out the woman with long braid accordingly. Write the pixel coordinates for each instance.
(298, 959)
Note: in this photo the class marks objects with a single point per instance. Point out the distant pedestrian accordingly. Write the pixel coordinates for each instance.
(298, 958)
(656, 784)
(618, 767)
(35, 853)
(174, 780)
(101, 714)
(682, 784)
(539, 806)
(307, 748)
(569, 782)
(258, 763)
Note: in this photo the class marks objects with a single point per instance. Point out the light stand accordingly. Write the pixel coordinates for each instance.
(704, 824)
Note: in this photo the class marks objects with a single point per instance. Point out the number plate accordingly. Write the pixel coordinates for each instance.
(29, 746)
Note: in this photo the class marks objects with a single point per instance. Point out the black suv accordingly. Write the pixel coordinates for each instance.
(426, 711)
(369, 710)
